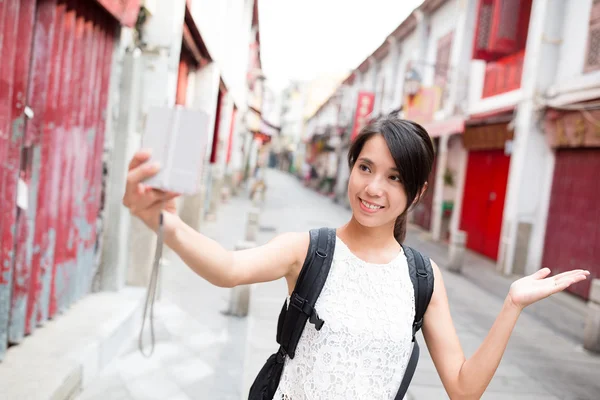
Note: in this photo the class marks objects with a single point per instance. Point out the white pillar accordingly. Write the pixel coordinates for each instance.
(460, 58)
(438, 190)
(532, 161)
(461, 175)
(121, 141)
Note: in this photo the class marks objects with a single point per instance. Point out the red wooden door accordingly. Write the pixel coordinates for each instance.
(483, 202)
(573, 228)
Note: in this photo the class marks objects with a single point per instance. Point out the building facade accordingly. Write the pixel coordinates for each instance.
(508, 93)
(77, 84)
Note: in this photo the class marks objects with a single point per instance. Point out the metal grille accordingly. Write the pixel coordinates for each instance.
(593, 50)
(485, 25)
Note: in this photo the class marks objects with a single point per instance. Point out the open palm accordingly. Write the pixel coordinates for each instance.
(538, 286)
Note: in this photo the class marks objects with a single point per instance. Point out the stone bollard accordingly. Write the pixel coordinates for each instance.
(252, 224)
(256, 196)
(458, 243)
(263, 194)
(591, 332)
(239, 298)
(225, 194)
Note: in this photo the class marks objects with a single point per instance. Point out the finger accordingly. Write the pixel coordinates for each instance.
(157, 206)
(139, 158)
(150, 198)
(171, 196)
(164, 196)
(568, 273)
(142, 173)
(564, 283)
(542, 273)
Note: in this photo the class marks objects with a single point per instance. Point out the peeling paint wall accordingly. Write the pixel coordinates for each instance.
(51, 140)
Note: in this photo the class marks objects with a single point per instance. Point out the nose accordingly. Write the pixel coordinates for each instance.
(374, 188)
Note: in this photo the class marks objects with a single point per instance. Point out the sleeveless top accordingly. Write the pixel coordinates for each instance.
(363, 348)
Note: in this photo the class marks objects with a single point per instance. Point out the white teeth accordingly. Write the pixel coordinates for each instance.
(370, 206)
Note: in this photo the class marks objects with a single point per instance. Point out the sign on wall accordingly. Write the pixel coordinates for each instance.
(421, 107)
(573, 129)
(487, 137)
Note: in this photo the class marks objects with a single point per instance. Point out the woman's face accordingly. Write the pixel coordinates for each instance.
(375, 189)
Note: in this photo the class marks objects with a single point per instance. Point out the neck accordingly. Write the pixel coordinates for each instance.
(376, 237)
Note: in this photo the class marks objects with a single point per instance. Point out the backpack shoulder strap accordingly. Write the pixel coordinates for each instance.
(309, 285)
(421, 275)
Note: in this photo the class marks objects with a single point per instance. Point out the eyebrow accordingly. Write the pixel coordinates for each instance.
(368, 161)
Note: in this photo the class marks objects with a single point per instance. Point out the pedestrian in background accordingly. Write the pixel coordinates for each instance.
(364, 348)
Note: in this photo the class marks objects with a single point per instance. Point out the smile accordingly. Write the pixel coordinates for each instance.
(370, 207)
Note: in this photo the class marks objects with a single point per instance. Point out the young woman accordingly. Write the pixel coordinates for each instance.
(368, 300)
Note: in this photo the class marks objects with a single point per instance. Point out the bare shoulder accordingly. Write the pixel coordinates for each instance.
(276, 259)
(437, 273)
(439, 289)
(295, 244)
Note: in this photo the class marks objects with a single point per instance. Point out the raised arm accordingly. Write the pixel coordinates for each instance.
(281, 257)
(468, 379)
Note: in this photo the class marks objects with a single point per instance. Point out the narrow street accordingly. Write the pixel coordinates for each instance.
(202, 354)
(219, 94)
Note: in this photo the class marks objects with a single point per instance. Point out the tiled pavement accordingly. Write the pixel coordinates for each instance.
(199, 352)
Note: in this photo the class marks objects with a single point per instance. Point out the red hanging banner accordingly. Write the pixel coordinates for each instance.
(364, 108)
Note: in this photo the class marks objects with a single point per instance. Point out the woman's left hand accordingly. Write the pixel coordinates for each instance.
(538, 286)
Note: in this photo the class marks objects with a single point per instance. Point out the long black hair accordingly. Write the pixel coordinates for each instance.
(412, 151)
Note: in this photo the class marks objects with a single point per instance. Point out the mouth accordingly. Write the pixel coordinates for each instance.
(369, 207)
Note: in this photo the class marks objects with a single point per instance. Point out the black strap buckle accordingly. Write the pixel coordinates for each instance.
(304, 306)
(415, 328)
(316, 321)
(281, 354)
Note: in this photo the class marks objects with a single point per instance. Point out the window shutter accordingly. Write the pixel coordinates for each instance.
(505, 27)
(442, 64)
(592, 58)
(484, 27)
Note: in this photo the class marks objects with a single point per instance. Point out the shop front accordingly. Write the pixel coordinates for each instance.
(573, 228)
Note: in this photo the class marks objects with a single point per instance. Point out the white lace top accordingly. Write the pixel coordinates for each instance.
(363, 349)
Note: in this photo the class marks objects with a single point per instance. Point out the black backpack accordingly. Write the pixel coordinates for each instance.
(301, 309)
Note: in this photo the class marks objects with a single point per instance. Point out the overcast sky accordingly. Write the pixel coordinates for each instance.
(303, 39)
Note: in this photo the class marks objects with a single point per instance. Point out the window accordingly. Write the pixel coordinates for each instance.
(501, 28)
(442, 64)
(592, 57)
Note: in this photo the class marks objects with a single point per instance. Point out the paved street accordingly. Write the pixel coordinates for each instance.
(202, 354)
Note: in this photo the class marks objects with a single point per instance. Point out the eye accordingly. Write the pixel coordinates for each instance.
(364, 168)
(395, 178)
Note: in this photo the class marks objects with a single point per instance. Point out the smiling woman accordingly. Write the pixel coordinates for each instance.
(353, 338)
(393, 158)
